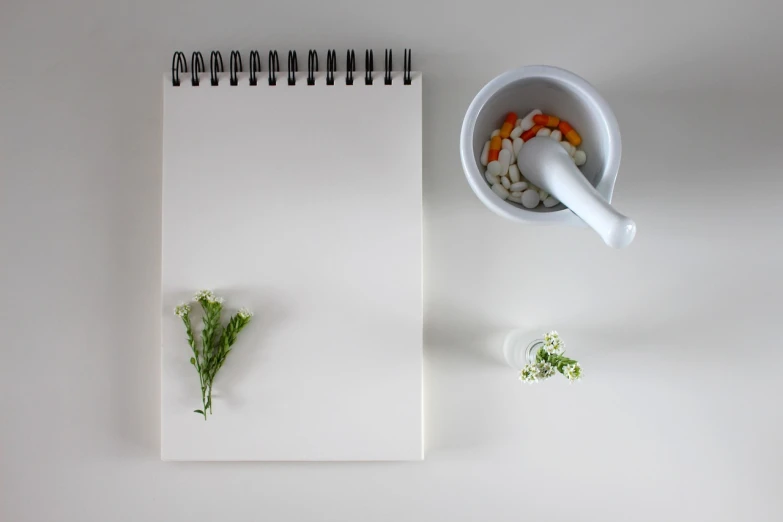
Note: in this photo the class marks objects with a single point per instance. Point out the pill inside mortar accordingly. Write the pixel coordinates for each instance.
(485, 154)
(530, 198)
(513, 173)
(501, 191)
(499, 155)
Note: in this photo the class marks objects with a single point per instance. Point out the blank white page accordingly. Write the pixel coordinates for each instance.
(302, 203)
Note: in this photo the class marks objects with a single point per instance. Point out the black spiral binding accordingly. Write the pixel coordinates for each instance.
(331, 66)
(312, 66)
(254, 66)
(406, 79)
(234, 66)
(178, 64)
(215, 66)
(293, 67)
(368, 66)
(350, 67)
(196, 66)
(387, 67)
(274, 67)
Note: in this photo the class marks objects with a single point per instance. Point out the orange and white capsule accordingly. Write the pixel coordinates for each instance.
(546, 120)
(526, 123)
(508, 125)
(495, 144)
(528, 134)
(570, 134)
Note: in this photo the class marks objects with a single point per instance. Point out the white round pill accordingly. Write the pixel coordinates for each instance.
(494, 168)
(485, 154)
(580, 158)
(520, 186)
(556, 135)
(544, 132)
(530, 198)
(500, 190)
(550, 202)
(513, 173)
(506, 182)
(492, 179)
(542, 194)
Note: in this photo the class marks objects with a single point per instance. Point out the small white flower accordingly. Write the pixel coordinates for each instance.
(573, 372)
(545, 370)
(529, 374)
(204, 295)
(182, 309)
(244, 313)
(553, 344)
(208, 296)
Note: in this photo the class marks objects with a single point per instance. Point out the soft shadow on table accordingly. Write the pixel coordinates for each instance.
(248, 352)
(134, 384)
(461, 353)
(461, 336)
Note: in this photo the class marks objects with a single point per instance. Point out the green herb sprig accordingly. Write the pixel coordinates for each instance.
(216, 341)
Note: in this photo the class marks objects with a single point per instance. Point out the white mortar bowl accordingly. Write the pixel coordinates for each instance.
(554, 91)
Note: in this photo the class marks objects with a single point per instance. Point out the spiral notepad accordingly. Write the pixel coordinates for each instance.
(298, 195)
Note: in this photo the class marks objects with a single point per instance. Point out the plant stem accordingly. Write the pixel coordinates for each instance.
(216, 342)
(196, 362)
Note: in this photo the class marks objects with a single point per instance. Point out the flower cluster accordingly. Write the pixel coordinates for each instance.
(573, 372)
(529, 373)
(553, 344)
(204, 297)
(207, 296)
(182, 310)
(538, 371)
(545, 369)
(549, 361)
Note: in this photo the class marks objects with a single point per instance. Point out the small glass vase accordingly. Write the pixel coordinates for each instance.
(519, 350)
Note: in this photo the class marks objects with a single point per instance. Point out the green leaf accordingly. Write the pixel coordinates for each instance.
(199, 412)
(193, 361)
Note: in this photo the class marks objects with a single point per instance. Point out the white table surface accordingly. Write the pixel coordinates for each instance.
(678, 417)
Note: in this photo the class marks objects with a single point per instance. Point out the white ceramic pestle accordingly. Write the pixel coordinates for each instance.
(544, 162)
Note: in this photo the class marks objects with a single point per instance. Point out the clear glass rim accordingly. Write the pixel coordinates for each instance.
(532, 349)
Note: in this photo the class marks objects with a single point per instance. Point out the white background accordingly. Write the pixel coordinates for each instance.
(679, 416)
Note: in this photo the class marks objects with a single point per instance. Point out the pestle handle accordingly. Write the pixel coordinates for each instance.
(544, 162)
